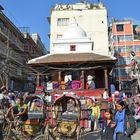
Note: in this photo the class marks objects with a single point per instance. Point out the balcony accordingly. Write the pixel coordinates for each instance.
(15, 42)
(16, 73)
(3, 33)
(8, 35)
(16, 57)
(3, 49)
(12, 54)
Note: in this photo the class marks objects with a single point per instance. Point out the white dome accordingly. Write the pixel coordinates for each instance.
(74, 31)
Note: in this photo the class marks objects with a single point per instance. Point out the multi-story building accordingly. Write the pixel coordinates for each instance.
(11, 49)
(90, 17)
(124, 37)
(13, 54)
(33, 48)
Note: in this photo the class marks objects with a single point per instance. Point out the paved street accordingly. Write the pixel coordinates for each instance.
(96, 136)
(136, 136)
(93, 136)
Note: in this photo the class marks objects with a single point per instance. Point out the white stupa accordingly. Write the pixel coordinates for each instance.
(74, 36)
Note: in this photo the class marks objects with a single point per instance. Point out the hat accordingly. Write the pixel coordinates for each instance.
(89, 77)
(3, 88)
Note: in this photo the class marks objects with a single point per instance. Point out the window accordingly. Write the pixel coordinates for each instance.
(121, 61)
(1, 23)
(72, 47)
(62, 21)
(121, 72)
(129, 48)
(126, 84)
(128, 38)
(116, 72)
(128, 60)
(138, 59)
(137, 48)
(124, 61)
(115, 39)
(120, 27)
(121, 49)
(92, 47)
(118, 38)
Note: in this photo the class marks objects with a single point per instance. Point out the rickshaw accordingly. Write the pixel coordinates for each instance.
(36, 114)
(32, 126)
(66, 115)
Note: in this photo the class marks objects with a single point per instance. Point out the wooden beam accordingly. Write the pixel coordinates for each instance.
(59, 79)
(37, 78)
(106, 78)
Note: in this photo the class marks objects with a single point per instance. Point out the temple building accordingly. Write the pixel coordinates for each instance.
(73, 61)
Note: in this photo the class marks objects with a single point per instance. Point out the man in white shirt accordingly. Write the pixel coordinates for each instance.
(5, 102)
(68, 79)
(105, 94)
(90, 81)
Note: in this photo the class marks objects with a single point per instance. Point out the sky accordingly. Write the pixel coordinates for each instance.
(33, 13)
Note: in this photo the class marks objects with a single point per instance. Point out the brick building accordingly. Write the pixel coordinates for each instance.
(124, 38)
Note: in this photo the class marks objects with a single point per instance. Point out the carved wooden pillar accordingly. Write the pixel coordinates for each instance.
(106, 78)
(59, 79)
(82, 78)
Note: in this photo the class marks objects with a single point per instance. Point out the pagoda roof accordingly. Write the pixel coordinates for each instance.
(71, 58)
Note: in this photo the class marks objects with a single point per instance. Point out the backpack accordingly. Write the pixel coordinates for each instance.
(128, 124)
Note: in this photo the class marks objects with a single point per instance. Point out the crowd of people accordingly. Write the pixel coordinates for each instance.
(11, 106)
(119, 118)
